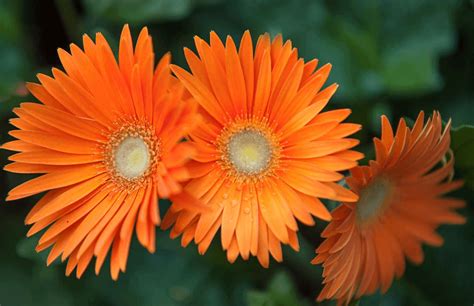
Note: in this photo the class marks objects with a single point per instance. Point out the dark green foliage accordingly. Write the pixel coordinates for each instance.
(390, 57)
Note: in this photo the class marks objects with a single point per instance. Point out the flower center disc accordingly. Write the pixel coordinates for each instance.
(373, 200)
(132, 157)
(249, 151)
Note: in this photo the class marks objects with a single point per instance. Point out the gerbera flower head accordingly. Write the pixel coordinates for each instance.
(107, 139)
(267, 152)
(401, 204)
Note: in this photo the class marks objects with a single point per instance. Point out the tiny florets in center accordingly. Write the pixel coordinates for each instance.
(249, 151)
(132, 157)
(373, 200)
(131, 154)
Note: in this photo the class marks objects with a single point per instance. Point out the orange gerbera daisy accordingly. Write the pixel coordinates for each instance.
(107, 138)
(266, 153)
(400, 206)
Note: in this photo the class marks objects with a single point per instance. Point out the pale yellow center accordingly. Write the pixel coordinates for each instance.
(132, 157)
(373, 199)
(249, 151)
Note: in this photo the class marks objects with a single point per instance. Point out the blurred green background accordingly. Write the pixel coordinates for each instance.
(389, 56)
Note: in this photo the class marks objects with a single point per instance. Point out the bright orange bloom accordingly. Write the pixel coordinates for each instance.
(107, 140)
(401, 204)
(266, 153)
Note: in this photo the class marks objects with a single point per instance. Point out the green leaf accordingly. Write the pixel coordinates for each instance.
(280, 292)
(419, 66)
(371, 45)
(142, 11)
(15, 61)
(462, 144)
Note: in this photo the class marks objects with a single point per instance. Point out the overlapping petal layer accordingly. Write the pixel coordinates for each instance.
(267, 152)
(106, 139)
(402, 203)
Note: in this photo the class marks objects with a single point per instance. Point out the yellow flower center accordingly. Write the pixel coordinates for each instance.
(249, 150)
(132, 157)
(373, 200)
(131, 154)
